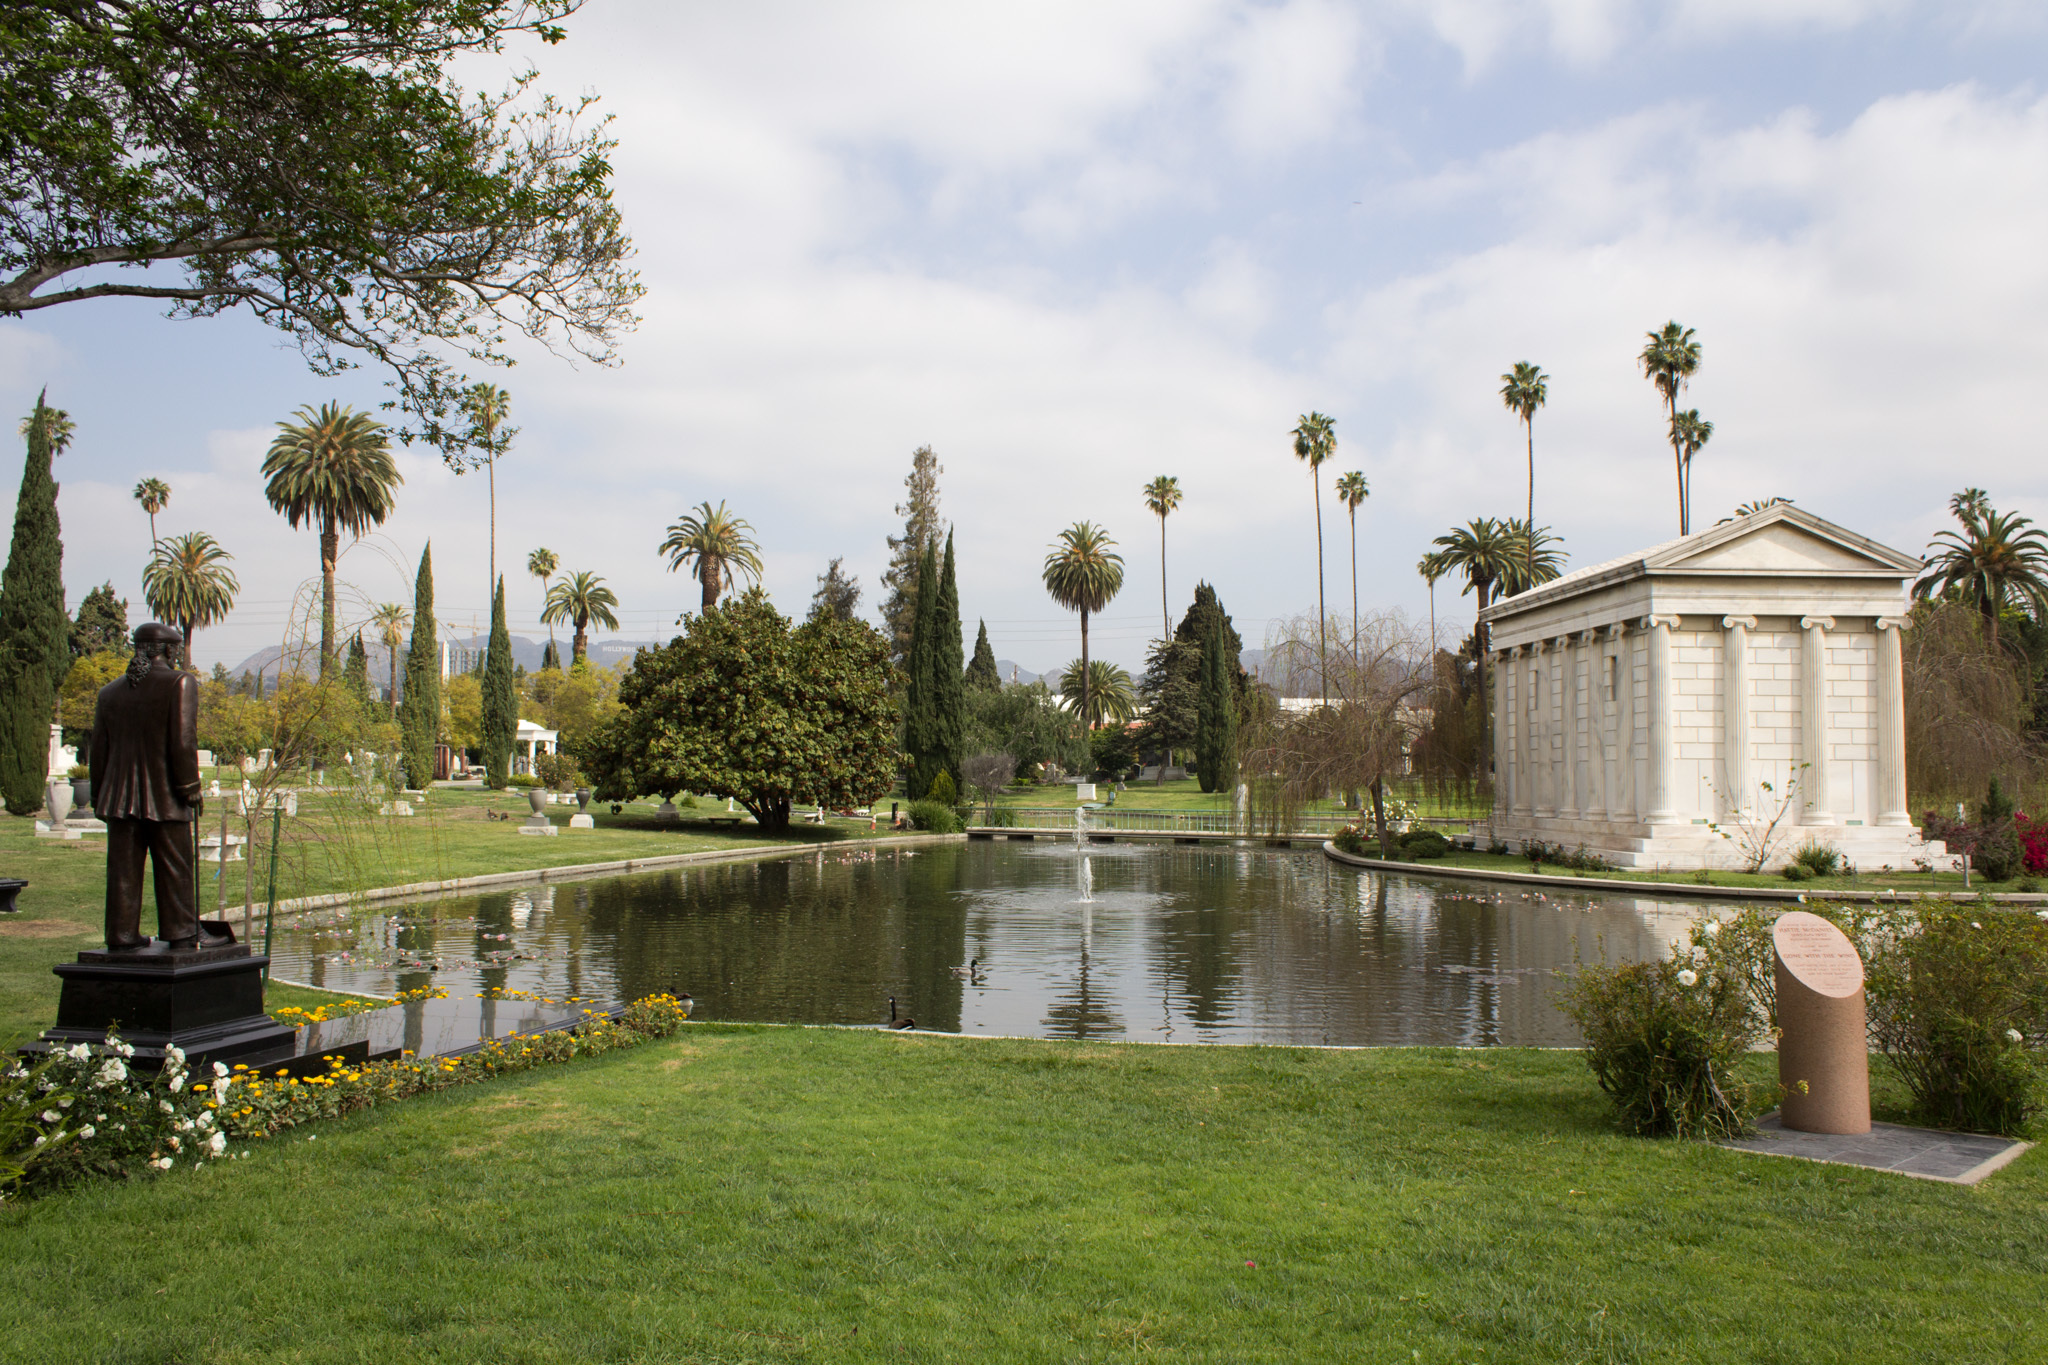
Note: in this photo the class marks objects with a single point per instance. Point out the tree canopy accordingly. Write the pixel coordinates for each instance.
(316, 162)
(745, 706)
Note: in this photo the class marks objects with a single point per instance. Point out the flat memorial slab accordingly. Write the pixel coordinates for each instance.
(1929, 1153)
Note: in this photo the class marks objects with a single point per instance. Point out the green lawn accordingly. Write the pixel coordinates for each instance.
(754, 1194)
(1187, 795)
(1905, 883)
(328, 847)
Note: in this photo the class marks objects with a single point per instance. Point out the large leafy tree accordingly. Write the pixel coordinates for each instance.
(331, 468)
(920, 512)
(101, 623)
(580, 599)
(1315, 441)
(1216, 716)
(981, 669)
(317, 164)
(718, 546)
(1167, 695)
(419, 715)
(949, 673)
(35, 630)
(1083, 573)
(745, 706)
(838, 592)
(1524, 389)
(1352, 490)
(1162, 496)
(1997, 559)
(920, 683)
(1670, 357)
(188, 583)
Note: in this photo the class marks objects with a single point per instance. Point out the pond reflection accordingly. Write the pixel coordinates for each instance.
(1179, 944)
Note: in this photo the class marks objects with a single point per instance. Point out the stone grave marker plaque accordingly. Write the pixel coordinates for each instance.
(1823, 1052)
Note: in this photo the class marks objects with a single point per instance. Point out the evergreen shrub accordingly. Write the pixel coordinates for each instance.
(1424, 843)
(935, 817)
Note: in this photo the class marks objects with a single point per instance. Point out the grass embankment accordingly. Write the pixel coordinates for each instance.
(1187, 795)
(748, 1194)
(331, 845)
(1904, 883)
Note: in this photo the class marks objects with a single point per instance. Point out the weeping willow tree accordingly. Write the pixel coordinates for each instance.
(1450, 757)
(1968, 707)
(1377, 681)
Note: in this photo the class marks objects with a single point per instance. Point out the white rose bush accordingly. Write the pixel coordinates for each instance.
(84, 1111)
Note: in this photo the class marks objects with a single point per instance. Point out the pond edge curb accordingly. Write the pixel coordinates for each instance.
(1693, 889)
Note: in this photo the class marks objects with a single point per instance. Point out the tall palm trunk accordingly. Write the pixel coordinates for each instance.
(491, 474)
(330, 551)
(1483, 589)
(1322, 613)
(713, 580)
(1529, 550)
(1677, 461)
(581, 643)
(1165, 615)
(1354, 582)
(1087, 723)
(391, 694)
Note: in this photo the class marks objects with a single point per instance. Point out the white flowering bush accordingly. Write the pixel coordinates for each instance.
(1664, 1039)
(85, 1111)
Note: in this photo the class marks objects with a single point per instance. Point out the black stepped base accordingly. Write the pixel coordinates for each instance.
(207, 1002)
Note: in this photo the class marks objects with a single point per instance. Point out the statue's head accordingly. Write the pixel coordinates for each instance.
(153, 641)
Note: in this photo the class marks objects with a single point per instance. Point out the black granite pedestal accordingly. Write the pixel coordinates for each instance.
(208, 1002)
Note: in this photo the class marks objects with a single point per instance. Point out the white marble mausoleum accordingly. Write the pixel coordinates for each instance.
(1643, 703)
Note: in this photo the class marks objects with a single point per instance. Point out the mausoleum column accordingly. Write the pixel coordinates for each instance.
(1621, 792)
(1890, 804)
(1593, 800)
(1503, 755)
(1660, 811)
(1568, 798)
(1813, 720)
(1735, 711)
(1542, 777)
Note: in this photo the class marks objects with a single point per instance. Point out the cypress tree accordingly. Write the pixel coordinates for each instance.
(356, 672)
(35, 630)
(919, 738)
(949, 681)
(981, 669)
(419, 711)
(1216, 719)
(501, 701)
(550, 657)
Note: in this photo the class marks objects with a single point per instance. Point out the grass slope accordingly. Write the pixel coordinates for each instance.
(750, 1194)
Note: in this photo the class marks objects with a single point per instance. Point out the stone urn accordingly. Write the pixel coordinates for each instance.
(58, 801)
(81, 793)
(582, 798)
(536, 798)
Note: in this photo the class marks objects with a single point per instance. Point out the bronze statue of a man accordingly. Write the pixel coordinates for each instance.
(145, 785)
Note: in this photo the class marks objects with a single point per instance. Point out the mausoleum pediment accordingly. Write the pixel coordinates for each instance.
(1779, 541)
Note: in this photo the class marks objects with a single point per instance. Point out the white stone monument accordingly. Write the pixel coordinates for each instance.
(1640, 704)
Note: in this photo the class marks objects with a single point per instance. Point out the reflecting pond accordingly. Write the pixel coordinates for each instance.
(1147, 941)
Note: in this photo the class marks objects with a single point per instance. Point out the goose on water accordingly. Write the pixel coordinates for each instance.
(894, 1022)
(971, 972)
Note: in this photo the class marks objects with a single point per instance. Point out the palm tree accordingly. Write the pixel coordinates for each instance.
(1485, 551)
(1162, 495)
(187, 583)
(542, 564)
(1524, 389)
(154, 495)
(391, 619)
(1689, 433)
(1537, 562)
(1432, 568)
(1351, 491)
(333, 468)
(1671, 357)
(487, 406)
(1108, 696)
(1315, 440)
(1755, 506)
(57, 425)
(581, 598)
(716, 545)
(1082, 574)
(1998, 558)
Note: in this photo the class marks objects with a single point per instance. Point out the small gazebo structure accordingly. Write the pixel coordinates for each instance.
(529, 742)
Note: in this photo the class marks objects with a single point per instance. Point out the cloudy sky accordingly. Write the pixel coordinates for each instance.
(1073, 246)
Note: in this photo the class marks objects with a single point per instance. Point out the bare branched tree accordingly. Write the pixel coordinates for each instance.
(1968, 704)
